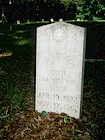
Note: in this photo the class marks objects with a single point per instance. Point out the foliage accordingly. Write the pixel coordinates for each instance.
(91, 10)
(43, 113)
(36, 10)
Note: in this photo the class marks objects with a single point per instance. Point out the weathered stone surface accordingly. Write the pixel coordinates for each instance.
(59, 68)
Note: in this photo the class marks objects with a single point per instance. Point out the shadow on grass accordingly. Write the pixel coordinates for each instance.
(20, 40)
(19, 67)
(16, 47)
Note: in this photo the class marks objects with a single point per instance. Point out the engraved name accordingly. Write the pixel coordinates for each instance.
(66, 57)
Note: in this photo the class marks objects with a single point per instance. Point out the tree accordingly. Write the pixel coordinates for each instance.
(46, 9)
(90, 10)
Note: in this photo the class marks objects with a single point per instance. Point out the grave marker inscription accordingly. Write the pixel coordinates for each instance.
(59, 68)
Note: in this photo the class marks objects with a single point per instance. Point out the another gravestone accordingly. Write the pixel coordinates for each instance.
(59, 68)
(18, 21)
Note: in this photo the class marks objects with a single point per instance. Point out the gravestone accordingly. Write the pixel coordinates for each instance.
(59, 68)
(18, 21)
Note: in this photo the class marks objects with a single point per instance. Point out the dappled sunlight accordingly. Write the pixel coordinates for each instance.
(17, 37)
(21, 34)
(17, 66)
(6, 54)
(20, 31)
(2, 34)
(22, 42)
(1, 71)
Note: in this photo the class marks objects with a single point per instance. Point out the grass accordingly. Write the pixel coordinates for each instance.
(18, 47)
(17, 66)
(16, 100)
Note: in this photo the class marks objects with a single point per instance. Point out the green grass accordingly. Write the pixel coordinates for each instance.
(13, 100)
(16, 70)
(20, 42)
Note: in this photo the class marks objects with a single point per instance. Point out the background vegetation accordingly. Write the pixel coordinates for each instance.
(36, 10)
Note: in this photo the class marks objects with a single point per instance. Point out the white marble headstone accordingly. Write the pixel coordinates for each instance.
(59, 68)
(18, 21)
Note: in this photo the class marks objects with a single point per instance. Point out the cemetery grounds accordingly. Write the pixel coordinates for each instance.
(18, 120)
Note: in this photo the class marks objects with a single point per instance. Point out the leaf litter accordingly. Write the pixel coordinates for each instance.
(31, 125)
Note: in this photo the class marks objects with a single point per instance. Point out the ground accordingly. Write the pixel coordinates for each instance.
(18, 118)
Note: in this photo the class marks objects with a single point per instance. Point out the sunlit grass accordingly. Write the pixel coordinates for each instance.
(20, 31)
(23, 42)
(1, 71)
(6, 54)
(17, 37)
(2, 34)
